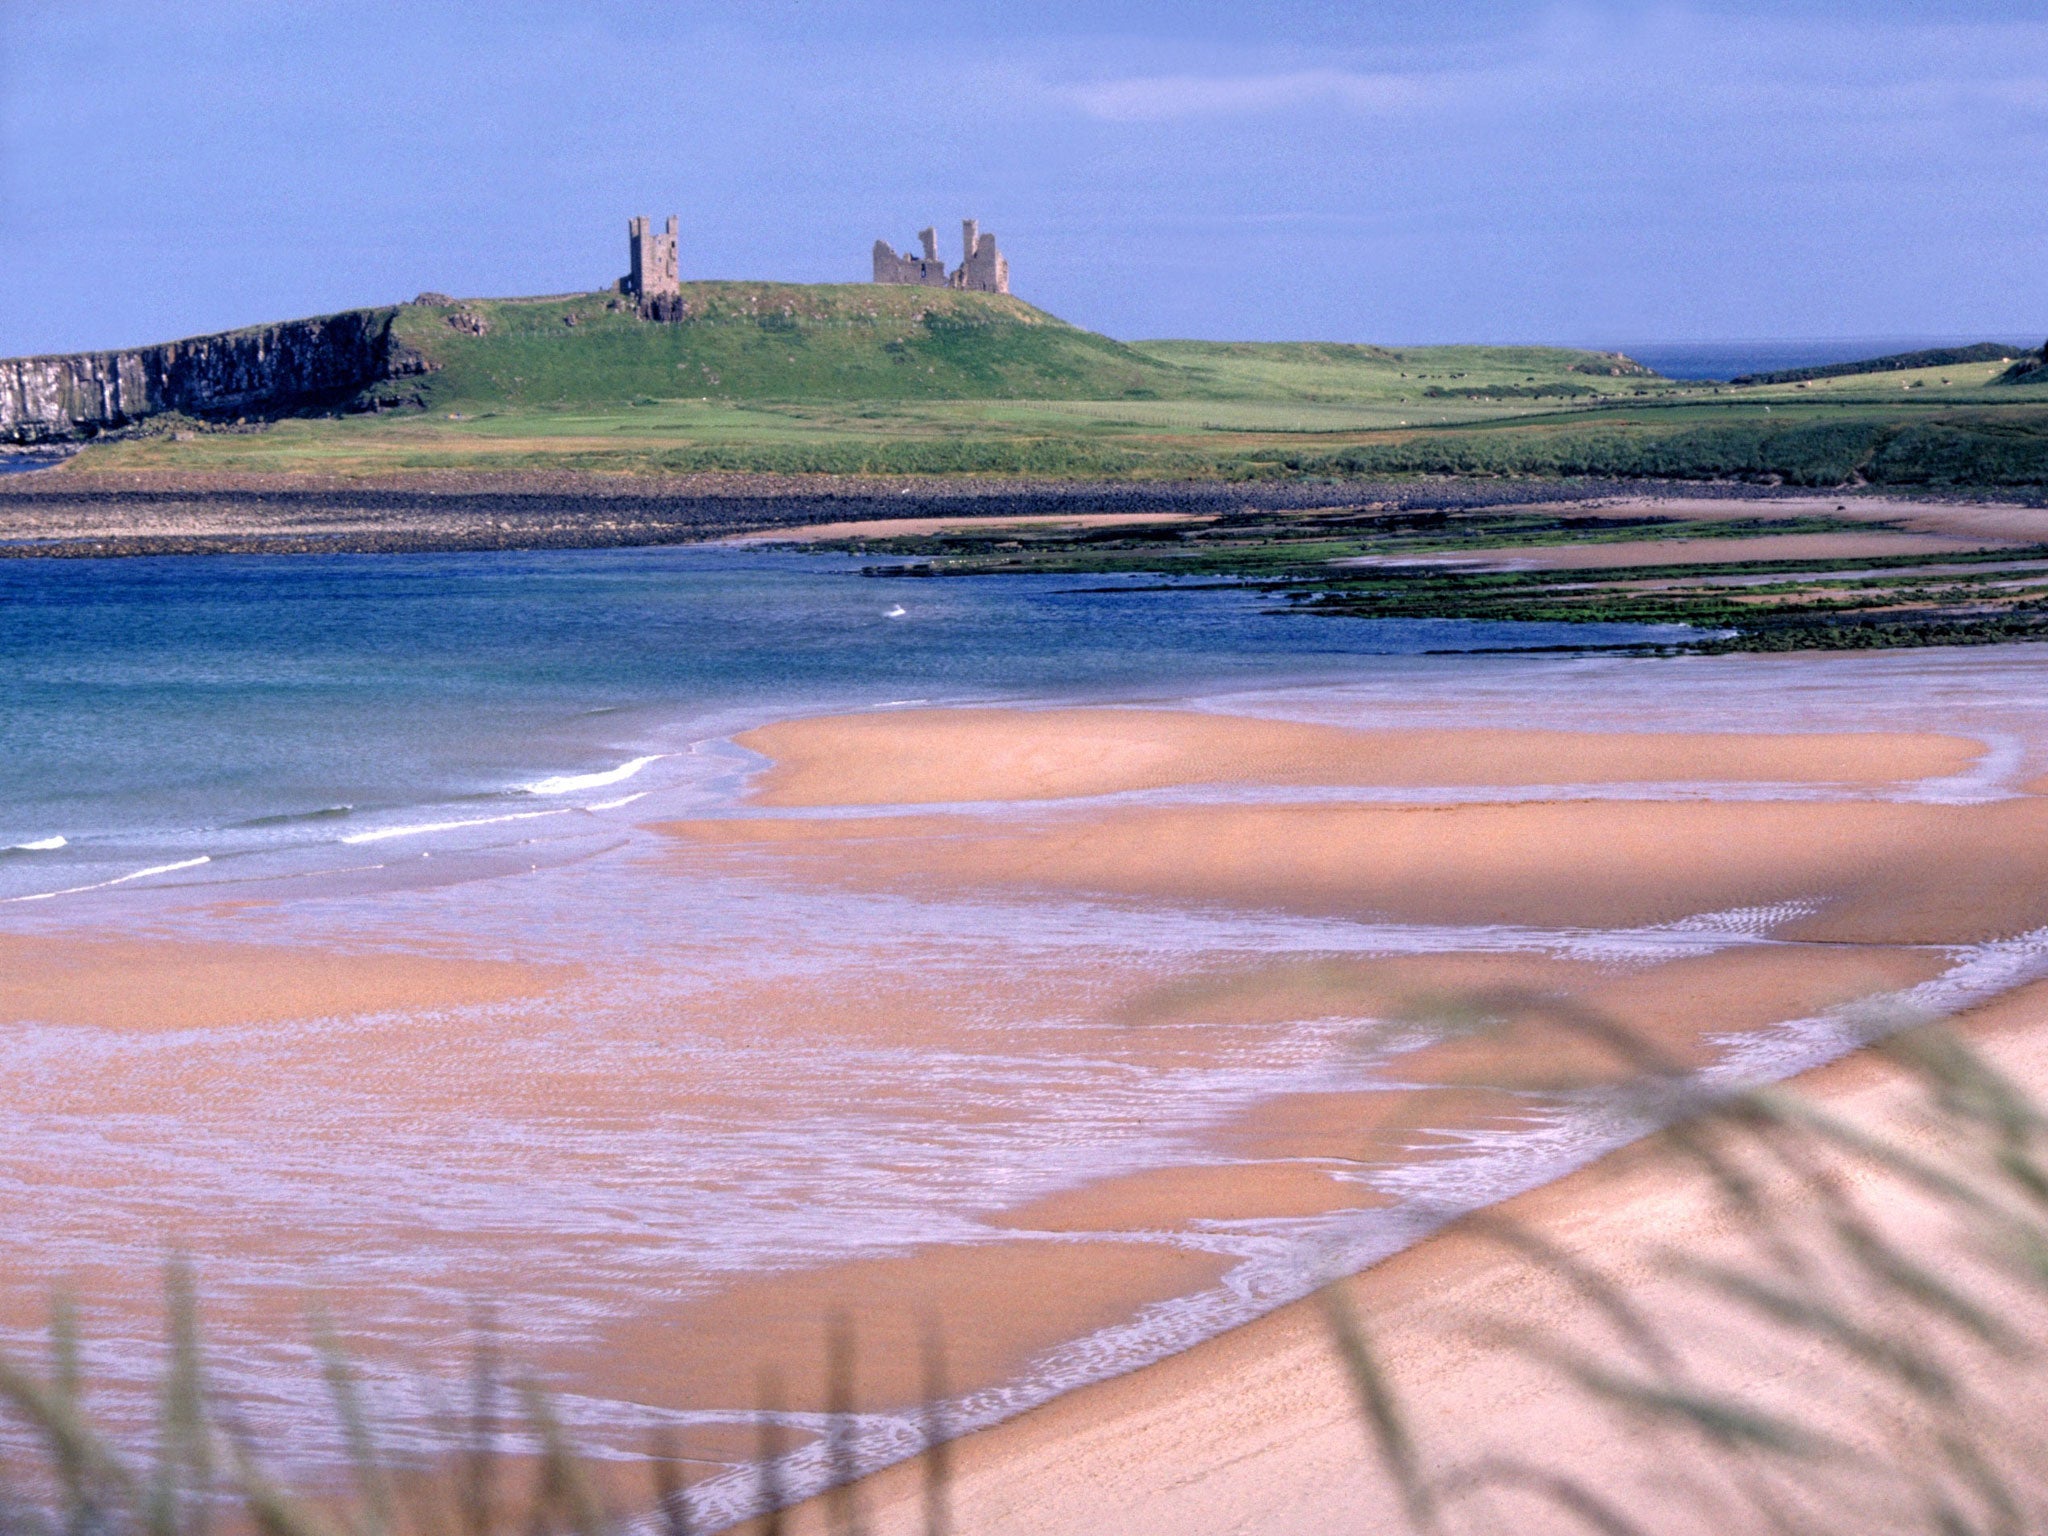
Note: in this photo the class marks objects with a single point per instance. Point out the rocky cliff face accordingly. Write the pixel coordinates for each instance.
(268, 370)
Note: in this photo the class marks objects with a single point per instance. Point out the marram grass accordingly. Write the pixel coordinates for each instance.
(1829, 1367)
(1917, 1366)
(507, 1466)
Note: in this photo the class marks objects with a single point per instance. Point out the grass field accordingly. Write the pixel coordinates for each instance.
(853, 378)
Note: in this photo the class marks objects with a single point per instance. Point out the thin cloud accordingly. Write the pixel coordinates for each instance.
(1162, 98)
(1672, 63)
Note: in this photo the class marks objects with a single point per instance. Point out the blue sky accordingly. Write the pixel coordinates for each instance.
(1398, 172)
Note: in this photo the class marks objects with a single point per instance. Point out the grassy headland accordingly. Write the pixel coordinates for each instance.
(850, 378)
(860, 378)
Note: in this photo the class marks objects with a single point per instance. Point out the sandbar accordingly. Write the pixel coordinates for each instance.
(996, 1305)
(140, 984)
(1989, 523)
(925, 527)
(934, 756)
(1859, 872)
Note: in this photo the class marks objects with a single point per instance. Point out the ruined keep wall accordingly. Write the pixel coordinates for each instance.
(268, 370)
(983, 268)
(926, 271)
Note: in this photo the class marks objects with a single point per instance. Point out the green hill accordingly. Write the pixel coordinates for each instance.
(762, 341)
(785, 377)
(864, 341)
(766, 346)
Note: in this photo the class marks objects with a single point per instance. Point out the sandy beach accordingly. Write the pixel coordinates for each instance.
(1078, 1035)
(1260, 1430)
(1256, 1431)
(923, 757)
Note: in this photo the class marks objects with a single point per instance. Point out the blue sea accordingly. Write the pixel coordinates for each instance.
(161, 711)
(1731, 359)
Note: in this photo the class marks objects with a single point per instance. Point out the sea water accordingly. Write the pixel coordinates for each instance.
(1721, 360)
(464, 752)
(154, 712)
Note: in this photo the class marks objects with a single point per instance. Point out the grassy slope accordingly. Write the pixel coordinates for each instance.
(820, 342)
(1934, 427)
(770, 341)
(860, 377)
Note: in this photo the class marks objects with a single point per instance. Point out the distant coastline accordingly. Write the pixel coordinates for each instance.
(1732, 359)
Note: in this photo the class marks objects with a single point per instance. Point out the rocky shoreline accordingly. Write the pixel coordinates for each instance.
(62, 513)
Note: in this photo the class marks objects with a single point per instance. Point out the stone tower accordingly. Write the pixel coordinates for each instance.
(653, 257)
(983, 268)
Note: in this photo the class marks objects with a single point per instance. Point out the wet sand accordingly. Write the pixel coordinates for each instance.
(927, 756)
(1867, 901)
(923, 527)
(1009, 1296)
(1874, 873)
(140, 985)
(1259, 1430)
(683, 1151)
(998, 1305)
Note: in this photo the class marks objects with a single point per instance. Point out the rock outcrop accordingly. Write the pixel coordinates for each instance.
(268, 370)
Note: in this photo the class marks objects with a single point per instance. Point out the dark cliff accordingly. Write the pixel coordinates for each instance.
(267, 370)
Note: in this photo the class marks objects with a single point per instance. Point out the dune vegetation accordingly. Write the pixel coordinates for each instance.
(1885, 1278)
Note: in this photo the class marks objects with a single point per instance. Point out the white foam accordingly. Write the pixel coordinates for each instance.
(40, 845)
(101, 885)
(613, 805)
(384, 834)
(1283, 1261)
(570, 783)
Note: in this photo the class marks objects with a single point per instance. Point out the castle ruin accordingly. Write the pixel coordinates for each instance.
(653, 280)
(983, 268)
(653, 256)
